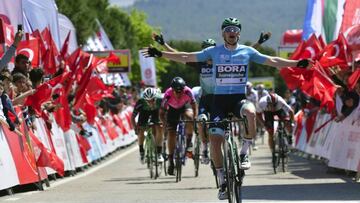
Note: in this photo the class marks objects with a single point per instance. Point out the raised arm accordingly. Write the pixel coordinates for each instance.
(183, 57)
(279, 62)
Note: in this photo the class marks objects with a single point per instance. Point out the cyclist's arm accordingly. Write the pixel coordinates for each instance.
(162, 115)
(279, 62)
(195, 109)
(169, 48)
(183, 57)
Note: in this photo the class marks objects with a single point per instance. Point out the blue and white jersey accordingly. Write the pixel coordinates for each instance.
(206, 74)
(230, 67)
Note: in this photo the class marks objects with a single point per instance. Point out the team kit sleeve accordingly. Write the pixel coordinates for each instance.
(256, 56)
(205, 54)
(137, 108)
(284, 105)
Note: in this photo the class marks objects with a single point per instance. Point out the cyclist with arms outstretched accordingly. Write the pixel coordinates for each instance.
(230, 71)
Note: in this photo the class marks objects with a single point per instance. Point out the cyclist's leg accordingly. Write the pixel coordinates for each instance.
(189, 128)
(203, 115)
(269, 125)
(158, 130)
(143, 118)
(288, 126)
(173, 116)
(216, 137)
(246, 109)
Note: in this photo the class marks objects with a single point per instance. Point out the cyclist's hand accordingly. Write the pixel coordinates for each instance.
(304, 63)
(152, 52)
(159, 38)
(264, 37)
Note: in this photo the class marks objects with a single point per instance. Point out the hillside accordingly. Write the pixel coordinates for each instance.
(200, 19)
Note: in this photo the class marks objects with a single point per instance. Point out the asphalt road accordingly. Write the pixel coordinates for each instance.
(121, 178)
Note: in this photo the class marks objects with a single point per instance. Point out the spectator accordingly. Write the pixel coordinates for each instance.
(6, 77)
(36, 77)
(22, 65)
(8, 108)
(11, 51)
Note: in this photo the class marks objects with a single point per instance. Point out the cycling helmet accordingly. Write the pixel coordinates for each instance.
(231, 22)
(260, 87)
(178, 84)
(149, 93)
(208, 43)
(272, 98)
(249, 84)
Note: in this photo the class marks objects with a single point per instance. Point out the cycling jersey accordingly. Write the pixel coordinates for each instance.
(262, 94)
(177, 103)
(230, 67)
(280, 105)
(205, 73)
(142, 105)
(197, 92)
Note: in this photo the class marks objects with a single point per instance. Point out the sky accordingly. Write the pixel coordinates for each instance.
(122, 3)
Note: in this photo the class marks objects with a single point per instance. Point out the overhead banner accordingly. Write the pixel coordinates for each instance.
(12, 11)
(148, 71)
(124, 64)
(351, 15)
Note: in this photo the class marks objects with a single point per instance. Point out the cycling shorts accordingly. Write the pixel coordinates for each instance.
(221, 106)
(269, 118)
(173, 115)
(146, 116)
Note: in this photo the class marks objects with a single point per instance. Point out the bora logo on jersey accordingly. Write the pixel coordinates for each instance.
(231, 68)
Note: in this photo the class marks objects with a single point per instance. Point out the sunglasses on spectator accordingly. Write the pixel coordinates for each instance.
(231, 29)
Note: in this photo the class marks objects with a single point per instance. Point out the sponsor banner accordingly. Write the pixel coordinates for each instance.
(148, 70)
(351, 15)
(345, 149)
(124, 64)
(95, 152)
(8, 174)
(24, 158)
(73, 148)
(60, 144)
(41, 134)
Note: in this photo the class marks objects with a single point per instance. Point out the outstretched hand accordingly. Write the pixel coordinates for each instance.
(264, 37)
(159, 38)
(304, 63)
(151, 52)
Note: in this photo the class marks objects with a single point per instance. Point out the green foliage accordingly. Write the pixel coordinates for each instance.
(81, 15)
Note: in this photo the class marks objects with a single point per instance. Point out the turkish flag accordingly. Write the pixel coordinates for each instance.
(62, 115)
(6, 33)
(320, 87)
(295, 77)
(297, 53)
(336, 53)
(311, 49)
(65, 47)
(47, 158)
(113, 58)
(353, 79)
(30, 48)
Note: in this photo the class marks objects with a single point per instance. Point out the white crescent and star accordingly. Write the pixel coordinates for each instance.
(31, 53)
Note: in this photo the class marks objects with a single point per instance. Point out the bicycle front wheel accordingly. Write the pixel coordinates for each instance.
(197, 155)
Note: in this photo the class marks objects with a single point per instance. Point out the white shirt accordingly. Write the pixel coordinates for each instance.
(281, 104)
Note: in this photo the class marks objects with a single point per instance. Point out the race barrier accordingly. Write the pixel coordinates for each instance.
(23, 154)
(338, 142)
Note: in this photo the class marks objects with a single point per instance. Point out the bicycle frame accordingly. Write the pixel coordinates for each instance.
(280, 148)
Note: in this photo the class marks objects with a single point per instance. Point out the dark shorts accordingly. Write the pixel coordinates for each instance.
(173, 115)
(148, 116)
(269, 118)
(222, 106)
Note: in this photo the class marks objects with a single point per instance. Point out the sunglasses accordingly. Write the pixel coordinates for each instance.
(231, 29)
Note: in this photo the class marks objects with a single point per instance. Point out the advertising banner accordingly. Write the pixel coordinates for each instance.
(8, 174)
(124, 64)
(148, 70)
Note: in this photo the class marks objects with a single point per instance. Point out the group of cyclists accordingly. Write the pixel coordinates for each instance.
(224, 89)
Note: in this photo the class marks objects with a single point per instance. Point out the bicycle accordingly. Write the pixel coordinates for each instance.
(234, 175)
(281, 149)
(180, 153)
(196, 156)
(151, 154)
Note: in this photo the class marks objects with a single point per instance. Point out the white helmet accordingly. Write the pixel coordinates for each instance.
(150, 93)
